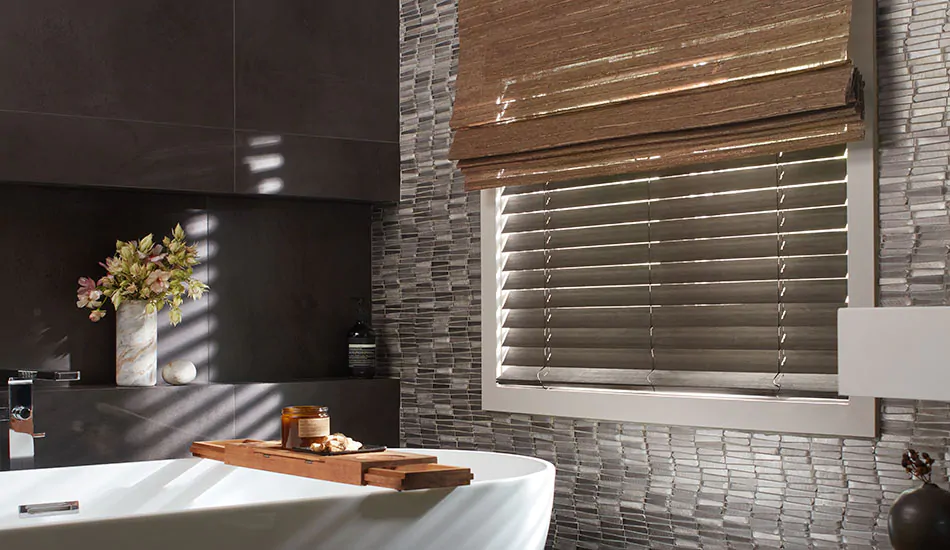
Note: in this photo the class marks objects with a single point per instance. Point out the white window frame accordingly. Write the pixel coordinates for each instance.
(853, 417)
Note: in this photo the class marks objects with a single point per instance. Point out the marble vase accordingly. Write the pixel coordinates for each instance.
(136, 345)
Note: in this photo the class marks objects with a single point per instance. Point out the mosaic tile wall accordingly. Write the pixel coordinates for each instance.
(636, 486)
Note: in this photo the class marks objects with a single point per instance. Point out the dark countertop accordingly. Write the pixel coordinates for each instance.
(101, 424)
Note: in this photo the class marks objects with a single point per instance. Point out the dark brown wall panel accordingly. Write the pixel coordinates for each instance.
(149, 60)
(306, 166)
(111, 153)
(328, 68)
(166, 94)
(286, 275)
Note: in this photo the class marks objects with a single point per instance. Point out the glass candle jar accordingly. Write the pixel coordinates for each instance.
(303, 426)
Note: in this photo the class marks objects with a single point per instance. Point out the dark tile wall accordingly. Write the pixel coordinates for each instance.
(150, 60)
(287, 276)
(317, 83)
(100, 425)
(633, 486)
(283, 276)
(194, 96)
(347, 168)
(116, 153)
(220, 98)
(325, 68)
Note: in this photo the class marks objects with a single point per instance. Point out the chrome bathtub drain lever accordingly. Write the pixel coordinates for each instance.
(49, 509)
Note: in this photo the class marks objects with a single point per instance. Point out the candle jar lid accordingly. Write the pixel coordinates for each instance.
(304, 410)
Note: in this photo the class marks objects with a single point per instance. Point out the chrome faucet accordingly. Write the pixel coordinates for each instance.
(20, 412)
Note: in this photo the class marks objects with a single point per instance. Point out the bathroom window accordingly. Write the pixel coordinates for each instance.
(705, 295)
(670, 217)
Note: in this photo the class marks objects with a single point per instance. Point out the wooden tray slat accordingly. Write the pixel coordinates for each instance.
(418, 476)
(392, 469)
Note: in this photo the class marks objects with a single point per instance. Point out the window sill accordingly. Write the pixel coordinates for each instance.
(854, 417)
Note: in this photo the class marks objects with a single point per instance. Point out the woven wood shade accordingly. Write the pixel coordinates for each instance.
(724, 277)
(553, 90)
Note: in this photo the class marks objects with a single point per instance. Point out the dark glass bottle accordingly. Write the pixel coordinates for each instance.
(361, 346)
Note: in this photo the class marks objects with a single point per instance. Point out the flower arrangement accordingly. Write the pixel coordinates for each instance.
(918, 465)
(159, 274)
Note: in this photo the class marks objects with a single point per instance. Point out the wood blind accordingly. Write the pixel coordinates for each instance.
(552, 90)
(715, 277)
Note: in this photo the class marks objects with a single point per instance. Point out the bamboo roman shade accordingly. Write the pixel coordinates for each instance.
(554, 90)
(723, 277)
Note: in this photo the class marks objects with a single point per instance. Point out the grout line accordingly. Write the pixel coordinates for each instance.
(201, 126)
(234, 139)
(114, 119)
(320, 136)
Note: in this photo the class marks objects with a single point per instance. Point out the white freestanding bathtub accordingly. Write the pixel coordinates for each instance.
(202, 504)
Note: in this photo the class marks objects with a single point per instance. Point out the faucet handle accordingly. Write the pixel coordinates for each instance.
(21, 413)
(55, 376)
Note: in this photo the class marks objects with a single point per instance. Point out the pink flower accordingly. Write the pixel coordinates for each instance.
(96, 315)
(157, 281)
(155, 255)
(87, 293)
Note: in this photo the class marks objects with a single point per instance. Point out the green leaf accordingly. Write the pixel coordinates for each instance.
(179, 232)
(116, 300)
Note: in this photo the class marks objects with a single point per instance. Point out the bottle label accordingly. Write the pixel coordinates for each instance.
(313, 427)
(362, 355)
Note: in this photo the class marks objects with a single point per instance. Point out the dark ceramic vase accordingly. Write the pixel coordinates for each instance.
(920, 519)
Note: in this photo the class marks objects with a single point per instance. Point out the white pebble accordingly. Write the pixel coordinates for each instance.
(179, 372)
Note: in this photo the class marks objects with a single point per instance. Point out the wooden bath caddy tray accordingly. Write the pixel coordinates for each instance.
(391, 469)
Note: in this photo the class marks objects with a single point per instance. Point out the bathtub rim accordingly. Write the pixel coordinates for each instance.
(547, 470)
